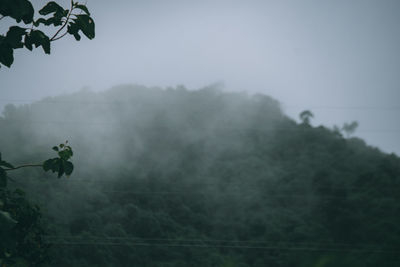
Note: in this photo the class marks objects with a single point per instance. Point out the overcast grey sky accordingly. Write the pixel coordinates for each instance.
(340, 59)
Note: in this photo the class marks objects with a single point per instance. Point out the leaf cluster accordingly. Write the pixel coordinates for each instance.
(350, 128)
(60, 164)
(74, 21)
(20, 229)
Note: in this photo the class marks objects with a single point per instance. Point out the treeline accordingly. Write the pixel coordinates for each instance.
(172, 177)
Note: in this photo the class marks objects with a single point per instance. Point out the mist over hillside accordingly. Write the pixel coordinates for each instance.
(173, 177)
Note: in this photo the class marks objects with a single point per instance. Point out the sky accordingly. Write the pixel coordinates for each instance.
(338, 58)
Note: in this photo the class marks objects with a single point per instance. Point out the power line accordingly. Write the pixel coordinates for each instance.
(264, 195)
(284, 106)
(366, 108)
(272, 247)
(213, 185)
(215, 188)
(208, 240)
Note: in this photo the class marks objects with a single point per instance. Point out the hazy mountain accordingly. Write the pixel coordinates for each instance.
(171, 177)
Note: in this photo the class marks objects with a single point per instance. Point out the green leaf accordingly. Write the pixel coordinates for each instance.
(14, 36)
(51, 7)
(72, 28)
(60, 168)
(37, 38)
(56, 21)
(83, 8)
(28, 42)
(77, 36)
(47, 165)
(6, 52)
(86, 24)
(18, 10)
(55, 148)
(50, 164)
(69, 167)
(37, 22)
(64, 154)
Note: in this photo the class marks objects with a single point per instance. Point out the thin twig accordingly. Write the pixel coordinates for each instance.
(59, 37)
(63, 26)
(24, 166)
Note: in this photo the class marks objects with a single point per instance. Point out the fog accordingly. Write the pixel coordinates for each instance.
(188, 148)
(338, 59)
(177, 177)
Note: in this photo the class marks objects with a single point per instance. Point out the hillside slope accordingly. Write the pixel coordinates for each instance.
(203, 178)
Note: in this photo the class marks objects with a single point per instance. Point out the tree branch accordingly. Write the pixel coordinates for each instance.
(24, 166)
(59, 37)
(63, 26)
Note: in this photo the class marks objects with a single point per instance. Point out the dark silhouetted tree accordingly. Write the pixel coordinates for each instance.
(305, 116)
(349, 128)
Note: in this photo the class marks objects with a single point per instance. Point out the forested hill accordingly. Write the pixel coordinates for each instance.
(202, 178)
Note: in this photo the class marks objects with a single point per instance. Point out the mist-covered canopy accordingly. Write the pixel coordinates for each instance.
(171, 177)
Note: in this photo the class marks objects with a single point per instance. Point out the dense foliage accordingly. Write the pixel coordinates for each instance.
(21, 232)
(20, 226)
(73, 21)
(203, 178)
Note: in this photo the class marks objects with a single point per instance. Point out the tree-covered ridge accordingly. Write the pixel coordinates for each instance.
(172, 177)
